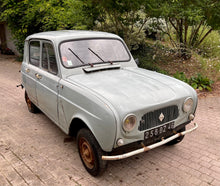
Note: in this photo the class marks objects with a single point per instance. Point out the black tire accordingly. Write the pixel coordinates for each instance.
(90, 152)
(179, 139)
(31, 107)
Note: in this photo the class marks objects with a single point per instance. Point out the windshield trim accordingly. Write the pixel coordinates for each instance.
(91, 38)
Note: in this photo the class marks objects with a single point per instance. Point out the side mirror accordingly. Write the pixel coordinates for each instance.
(137, 61)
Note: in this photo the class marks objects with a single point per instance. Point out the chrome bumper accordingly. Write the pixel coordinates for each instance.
(147, 148)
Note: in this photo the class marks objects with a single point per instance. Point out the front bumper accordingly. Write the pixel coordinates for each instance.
(147, 148)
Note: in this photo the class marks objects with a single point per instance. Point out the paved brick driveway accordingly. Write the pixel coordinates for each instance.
(33, 151)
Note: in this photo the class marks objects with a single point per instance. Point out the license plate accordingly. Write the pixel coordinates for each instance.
(158, 130)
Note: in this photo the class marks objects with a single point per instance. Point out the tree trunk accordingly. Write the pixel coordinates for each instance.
(205, 36)
(3, 37)
(181, 31)
(196, 34)
(186, 32)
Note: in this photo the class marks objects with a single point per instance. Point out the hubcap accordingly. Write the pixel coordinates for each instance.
(28, 102)
(86, 153)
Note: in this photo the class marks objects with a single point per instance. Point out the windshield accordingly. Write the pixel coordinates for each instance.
(92, 51)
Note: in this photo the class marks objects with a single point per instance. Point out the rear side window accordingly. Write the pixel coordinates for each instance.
(34, 51)
(48, 58)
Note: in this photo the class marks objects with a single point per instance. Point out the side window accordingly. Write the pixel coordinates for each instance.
(34, 53)
(48, 58)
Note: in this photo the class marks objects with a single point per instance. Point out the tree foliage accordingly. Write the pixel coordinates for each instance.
(25, 17)
(122, 17)
(192, 21)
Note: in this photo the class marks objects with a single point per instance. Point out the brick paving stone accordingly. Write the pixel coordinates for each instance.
(215, 183)
(206, 178)
(33, 150)
(3, 180)
(205, 164)
(215, 175)
(194, 181)
(216, 162)
(205, 170)
(216, 169)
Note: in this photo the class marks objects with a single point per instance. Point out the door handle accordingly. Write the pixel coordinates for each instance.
(38, 76)
(27, 70)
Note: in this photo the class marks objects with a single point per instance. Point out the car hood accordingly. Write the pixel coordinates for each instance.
(132, 89)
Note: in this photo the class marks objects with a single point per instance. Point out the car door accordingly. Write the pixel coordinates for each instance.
(31, 68)
(47, 81)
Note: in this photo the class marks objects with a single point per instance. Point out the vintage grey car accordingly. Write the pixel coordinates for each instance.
(89, 85)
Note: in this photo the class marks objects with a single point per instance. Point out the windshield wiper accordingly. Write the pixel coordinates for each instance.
(100, 57)
(76, 55)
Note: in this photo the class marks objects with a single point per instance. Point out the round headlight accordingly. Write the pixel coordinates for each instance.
(188, 105)
(129, 123)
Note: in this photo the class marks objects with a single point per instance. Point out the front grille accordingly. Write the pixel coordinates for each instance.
(152, 119)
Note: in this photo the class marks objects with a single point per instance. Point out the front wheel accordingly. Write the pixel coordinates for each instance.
(90, 152)
(179, 139)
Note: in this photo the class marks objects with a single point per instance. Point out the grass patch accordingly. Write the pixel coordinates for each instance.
(210, 47)
(210, 66)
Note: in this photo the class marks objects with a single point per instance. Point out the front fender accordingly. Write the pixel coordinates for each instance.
(80, 102)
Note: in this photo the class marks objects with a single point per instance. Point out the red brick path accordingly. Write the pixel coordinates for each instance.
(33, 151)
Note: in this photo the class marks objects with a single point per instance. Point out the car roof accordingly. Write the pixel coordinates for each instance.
(62, 35)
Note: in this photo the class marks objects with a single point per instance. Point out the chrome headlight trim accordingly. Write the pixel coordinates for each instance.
(129, 122)
(188, 105)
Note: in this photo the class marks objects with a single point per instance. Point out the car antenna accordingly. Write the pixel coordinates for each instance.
(76, 55)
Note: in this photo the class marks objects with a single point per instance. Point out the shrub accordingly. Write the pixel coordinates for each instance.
(146, 54)
(201, 82)
(181, 76)
(197, 82)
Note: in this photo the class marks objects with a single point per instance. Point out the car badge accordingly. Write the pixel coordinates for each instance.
(161, 117)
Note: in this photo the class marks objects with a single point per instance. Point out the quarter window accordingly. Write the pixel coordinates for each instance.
(34, 53)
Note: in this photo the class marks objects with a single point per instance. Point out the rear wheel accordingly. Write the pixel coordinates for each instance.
(31, 107)
(179, 139)
(90, 152)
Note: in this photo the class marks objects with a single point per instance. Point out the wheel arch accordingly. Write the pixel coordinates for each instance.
(75, 125)
(78, 123)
